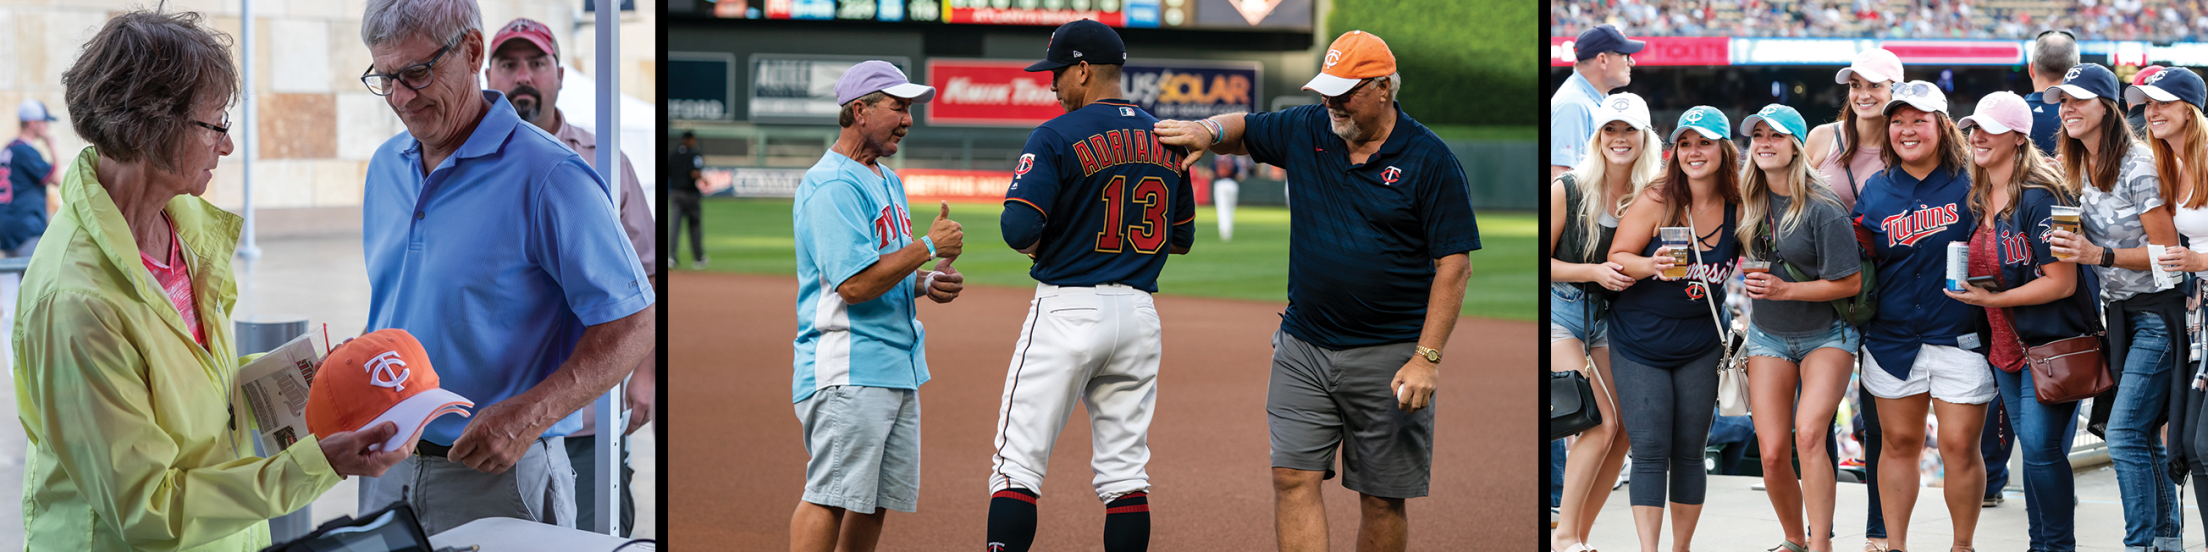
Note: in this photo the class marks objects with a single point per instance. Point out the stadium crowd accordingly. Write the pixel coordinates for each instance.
(2149, 20)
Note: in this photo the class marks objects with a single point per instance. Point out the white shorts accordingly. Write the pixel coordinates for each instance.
(1950, 374)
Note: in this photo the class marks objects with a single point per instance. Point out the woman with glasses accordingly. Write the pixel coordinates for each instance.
(124, 358)
(1584, 206)
(1847, 152)
(1801, 255)
(1925, 354)
(1664, 339)
(2124, 214)
(2031, 299)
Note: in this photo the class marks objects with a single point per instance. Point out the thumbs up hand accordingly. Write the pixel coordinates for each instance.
(949, 238)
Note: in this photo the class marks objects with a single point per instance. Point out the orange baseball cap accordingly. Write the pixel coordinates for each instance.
(1356, 56)
(382, 376)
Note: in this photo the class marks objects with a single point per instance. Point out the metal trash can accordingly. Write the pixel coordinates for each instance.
(262, 333)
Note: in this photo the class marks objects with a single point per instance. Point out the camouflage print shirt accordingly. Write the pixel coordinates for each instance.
(2111, 220)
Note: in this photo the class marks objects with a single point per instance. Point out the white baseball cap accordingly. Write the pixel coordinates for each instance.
(33, 110)
(1623, 106)
(1919, 94)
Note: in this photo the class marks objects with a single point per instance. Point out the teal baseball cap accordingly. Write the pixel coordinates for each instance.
(1706, 120)
(1782, 118)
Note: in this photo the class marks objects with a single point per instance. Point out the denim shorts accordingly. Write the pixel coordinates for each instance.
(1568, 317)
(1793, 349)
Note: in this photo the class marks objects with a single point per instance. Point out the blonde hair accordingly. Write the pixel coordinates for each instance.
(1802, 184)
(2029, 170)
(2194, 179)
(1592, 175)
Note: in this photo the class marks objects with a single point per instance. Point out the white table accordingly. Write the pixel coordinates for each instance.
(514, 535)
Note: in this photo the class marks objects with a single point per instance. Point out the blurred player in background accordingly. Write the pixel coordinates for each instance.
(1226, 170)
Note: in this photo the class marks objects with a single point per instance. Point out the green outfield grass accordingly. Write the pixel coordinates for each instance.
(754, 236)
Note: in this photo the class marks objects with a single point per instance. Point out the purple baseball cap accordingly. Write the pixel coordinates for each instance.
(875, 75)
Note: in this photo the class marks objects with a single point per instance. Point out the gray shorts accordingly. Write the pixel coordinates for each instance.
(865, 447)
(447, 494)
(1319, 400)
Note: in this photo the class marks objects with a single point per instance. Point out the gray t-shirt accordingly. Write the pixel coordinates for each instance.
(1822, 247)
(2111, 220)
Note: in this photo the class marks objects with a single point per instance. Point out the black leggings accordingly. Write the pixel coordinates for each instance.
(1667, 414)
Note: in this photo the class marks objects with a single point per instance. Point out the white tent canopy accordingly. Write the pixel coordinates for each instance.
(639, 131)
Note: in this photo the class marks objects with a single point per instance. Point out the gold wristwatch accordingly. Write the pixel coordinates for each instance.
(1432, 355)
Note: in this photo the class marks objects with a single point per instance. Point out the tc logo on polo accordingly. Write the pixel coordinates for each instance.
(1391, 175)
(387, 370)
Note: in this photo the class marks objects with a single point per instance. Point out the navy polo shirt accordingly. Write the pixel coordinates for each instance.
(2046, 123)
(1363, 237)
(24, 216)
(2024, 257)
(1906, 224)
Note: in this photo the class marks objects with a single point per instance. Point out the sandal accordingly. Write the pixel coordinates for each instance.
(1788, 546)
(1581, 547)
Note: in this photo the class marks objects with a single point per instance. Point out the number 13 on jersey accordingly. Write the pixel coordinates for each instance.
(1149, 235)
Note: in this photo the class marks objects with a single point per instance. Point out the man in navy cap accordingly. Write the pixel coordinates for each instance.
(23, 219)
(1101, 147)
(859, 358)
(1605, 64)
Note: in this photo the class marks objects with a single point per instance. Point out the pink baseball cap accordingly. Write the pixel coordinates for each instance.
(2000, 113)
(1876, 65)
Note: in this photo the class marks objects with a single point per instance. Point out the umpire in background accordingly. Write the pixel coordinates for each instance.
(688, 166)
(1376, 274)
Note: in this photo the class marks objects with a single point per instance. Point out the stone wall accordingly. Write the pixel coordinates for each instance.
(318, 124)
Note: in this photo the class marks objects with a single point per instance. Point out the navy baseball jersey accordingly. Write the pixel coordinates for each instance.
(1363, 237)
(1113, 201)
(2025, 255)
(1906, 224)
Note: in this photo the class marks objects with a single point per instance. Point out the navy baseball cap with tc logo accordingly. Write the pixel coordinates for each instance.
(1079, 41)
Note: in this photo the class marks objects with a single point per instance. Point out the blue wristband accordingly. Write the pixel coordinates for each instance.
(931, 245)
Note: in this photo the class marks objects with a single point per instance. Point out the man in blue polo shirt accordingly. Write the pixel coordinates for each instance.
(1605, 63)
(859, 356)
(499, 248)
(24, 215)
(1382, 229)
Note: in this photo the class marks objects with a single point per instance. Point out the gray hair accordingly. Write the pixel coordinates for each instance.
(440, 21)
(850, 115)
(2054, 53)
(1395, 85)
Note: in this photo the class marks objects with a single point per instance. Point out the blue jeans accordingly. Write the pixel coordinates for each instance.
(2043, 435)
(1556, 473)
(2142, 474)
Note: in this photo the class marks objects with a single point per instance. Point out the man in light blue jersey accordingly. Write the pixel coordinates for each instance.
(859, 360)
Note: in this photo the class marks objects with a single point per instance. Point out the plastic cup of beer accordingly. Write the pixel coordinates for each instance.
(1676, 238)
(2064, 218)
(1755, 266)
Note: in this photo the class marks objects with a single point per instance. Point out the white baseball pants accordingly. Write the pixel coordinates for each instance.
(1096, 346)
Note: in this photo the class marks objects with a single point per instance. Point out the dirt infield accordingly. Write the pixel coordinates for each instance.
(736, 463)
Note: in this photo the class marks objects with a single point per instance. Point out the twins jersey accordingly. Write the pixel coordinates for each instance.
(1114, 200)
(846, 218)
(1906, 224)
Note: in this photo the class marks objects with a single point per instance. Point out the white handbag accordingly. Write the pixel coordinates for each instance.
(1732, 366)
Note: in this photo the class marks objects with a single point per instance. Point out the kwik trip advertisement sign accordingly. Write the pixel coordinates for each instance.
(976, 92)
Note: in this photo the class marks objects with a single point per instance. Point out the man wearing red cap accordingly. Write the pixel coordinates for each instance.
(1376, 274)
(529, 72)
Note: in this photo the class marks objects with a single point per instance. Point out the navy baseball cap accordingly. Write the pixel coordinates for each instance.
(2169, 85)
(2086, 81)
(1079, 41)
(1605, 38)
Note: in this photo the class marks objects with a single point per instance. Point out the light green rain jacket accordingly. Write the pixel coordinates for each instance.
(132, 444)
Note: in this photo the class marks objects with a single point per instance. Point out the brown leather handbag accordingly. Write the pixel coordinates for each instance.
(2066, 370)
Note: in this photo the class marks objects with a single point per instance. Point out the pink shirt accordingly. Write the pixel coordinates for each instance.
(1865, 163)
(175, 277)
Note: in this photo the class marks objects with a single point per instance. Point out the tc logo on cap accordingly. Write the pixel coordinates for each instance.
(1619, 105)
(388, 371)
(1767, 110)
(2072, 75)
(1692, 116)
(2157, 77)
(1333, 57)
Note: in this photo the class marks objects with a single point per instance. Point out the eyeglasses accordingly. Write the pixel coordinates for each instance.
(1347, 94)
(415, 77)
(223, 129)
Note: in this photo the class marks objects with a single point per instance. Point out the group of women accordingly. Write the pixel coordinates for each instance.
(1810, 219)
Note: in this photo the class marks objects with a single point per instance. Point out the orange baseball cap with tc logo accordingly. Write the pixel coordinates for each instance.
(382, 376)
(1355, 56)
